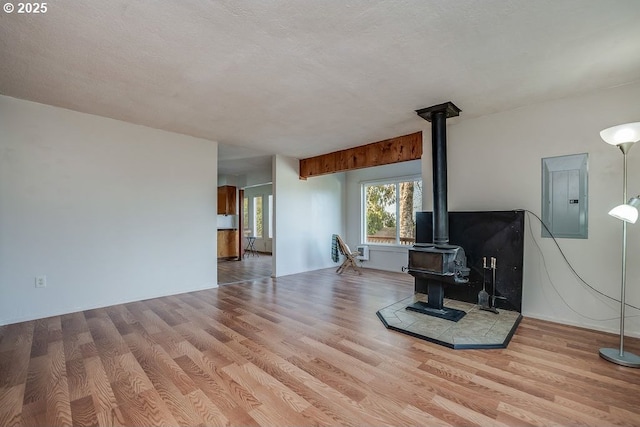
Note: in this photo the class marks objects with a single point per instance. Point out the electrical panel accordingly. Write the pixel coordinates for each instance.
(564, 196)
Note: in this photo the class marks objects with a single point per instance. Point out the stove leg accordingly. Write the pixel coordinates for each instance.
(435, 291)
(435, 301)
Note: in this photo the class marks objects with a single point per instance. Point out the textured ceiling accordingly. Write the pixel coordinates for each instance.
(308, 77)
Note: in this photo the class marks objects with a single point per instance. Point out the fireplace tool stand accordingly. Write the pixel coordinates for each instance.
(483, 295)
(486, 306)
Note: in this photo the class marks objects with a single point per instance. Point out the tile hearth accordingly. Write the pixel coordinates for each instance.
(477, 330)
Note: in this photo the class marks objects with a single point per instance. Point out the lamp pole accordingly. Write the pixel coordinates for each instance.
(625, 149)
(622, 358)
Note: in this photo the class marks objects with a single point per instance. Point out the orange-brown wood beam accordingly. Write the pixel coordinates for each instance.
(393, 150)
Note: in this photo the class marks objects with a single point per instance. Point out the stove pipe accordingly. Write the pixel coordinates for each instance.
(438, 115)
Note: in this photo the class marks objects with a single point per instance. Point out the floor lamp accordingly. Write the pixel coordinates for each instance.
(623, 136)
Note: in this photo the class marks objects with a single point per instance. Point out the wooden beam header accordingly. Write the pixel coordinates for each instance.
(394, 150)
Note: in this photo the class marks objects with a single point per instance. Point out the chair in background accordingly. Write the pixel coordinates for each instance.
(250, 249)
(349, 257)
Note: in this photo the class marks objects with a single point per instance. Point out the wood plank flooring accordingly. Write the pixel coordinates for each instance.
(300, 350)
(250, 268)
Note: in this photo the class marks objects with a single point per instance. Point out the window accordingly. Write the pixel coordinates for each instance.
(245, 217)
(270, 214)
(389, 211)
(257, 217)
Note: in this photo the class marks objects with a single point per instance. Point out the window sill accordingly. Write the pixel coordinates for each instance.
(387, 248)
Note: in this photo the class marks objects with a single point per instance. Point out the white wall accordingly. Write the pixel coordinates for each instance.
(306, 213)
(495, 164)
(381, 257)
(233, 180)
(257, 177)
(109, 211)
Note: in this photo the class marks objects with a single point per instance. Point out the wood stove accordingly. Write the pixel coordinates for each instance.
(444, 263)
(438, 264)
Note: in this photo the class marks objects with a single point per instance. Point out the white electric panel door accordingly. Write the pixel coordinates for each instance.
(564, 196)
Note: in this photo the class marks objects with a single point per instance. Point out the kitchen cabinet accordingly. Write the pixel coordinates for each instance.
(227, 200)
(228, 244)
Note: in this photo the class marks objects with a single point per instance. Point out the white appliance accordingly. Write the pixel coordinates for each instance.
(363, 253)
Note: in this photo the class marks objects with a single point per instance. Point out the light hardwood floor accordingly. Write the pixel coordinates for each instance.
(305, 349)
(250, 268)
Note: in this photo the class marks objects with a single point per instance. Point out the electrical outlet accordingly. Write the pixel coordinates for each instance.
(41, 281)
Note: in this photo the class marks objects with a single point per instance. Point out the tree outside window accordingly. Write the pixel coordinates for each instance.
(245, 217)
(257, 217)
(381, 210)
(390, 211)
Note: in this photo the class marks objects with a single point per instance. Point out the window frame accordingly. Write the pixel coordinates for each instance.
(250, 221)
(363, 207)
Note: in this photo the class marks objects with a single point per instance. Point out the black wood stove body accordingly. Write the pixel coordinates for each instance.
(437, 264)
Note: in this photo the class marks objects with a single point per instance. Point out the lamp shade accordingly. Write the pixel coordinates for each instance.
(627, 212)
(620, 134)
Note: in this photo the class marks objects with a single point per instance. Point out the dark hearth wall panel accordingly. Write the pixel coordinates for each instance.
(498, 234)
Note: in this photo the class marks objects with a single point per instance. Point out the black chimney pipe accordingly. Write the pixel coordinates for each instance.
(438, 115)
(439, 162)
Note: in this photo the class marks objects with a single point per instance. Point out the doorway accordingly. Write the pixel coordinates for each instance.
(255, 223)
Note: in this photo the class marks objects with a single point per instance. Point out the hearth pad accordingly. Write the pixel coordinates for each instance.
(477, 330)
